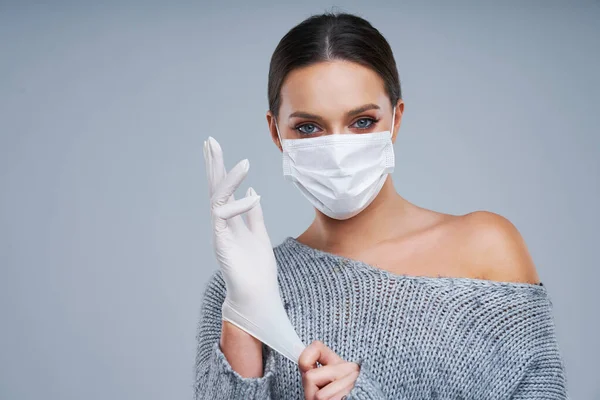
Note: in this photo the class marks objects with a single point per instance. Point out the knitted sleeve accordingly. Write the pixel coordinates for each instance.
(544, 379)
(215, 378)
(544, 376)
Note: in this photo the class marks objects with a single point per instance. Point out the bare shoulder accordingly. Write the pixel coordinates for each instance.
(496, 247)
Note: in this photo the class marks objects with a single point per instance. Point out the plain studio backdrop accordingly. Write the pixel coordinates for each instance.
(105, 238)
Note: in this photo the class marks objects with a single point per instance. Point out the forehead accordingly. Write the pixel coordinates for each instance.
(331, 87)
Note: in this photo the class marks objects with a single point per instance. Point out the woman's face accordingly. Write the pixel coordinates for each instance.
(333, 97)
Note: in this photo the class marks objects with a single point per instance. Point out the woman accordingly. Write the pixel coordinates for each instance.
(396, 301)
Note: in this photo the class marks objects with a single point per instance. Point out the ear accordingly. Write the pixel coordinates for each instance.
(397, 119)
(273, 129)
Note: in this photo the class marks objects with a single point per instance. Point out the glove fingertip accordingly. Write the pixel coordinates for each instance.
(230, 210)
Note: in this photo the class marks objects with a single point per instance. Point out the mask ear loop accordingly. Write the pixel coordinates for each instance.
(278, 134)
(392, 127)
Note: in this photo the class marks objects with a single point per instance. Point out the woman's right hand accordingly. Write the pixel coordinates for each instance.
(245, 256)
(244, 253)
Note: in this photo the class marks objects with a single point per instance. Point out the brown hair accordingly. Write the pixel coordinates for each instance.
(332, 36)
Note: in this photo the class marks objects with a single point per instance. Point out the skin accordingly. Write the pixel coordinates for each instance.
(391, 233)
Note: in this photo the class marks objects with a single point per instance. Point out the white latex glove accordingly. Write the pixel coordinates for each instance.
(245, 255)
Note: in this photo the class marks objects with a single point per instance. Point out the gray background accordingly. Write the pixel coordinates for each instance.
(104, 222)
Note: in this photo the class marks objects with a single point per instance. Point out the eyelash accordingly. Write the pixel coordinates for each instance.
(374, 121)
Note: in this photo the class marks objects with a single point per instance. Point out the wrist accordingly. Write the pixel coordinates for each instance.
(234, 334)
(243, 351)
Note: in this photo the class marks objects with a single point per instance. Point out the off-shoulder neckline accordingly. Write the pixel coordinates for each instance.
(437, 281)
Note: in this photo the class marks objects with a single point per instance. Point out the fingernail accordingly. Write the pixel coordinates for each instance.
(252, 192)
(245, 163)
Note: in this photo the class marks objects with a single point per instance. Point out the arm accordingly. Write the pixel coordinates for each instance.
(215, 377)
(497, 243)
(544, 376)
(242, 307)
(545, 379)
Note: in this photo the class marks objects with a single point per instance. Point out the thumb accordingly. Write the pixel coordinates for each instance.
(255, 219)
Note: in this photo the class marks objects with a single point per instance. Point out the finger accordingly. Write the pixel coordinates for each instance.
(231, 182)
(238, 207)
(317, 351)
(218, 161)
(338, 388)
(217, 164)
(326, 374)
(213, 180)
(218, 174)
(256, 222)
(208, 166)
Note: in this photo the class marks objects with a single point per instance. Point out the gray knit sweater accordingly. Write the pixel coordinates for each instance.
(414, 337)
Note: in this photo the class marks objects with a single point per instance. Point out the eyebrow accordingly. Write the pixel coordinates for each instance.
(351, 113)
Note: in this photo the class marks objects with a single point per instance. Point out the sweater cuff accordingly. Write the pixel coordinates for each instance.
(223, 382)
(365, 386)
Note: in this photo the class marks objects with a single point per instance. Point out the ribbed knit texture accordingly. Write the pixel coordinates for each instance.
(414, 337)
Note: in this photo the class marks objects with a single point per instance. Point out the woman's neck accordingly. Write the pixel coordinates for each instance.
(376, 223)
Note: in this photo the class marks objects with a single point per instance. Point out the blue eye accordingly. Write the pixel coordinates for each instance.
(311, 129)
(310, 132)
(365, 123)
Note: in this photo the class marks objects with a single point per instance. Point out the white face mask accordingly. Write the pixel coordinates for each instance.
(340, 174)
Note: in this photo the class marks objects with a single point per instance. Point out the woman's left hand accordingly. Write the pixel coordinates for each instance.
(333, 380)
